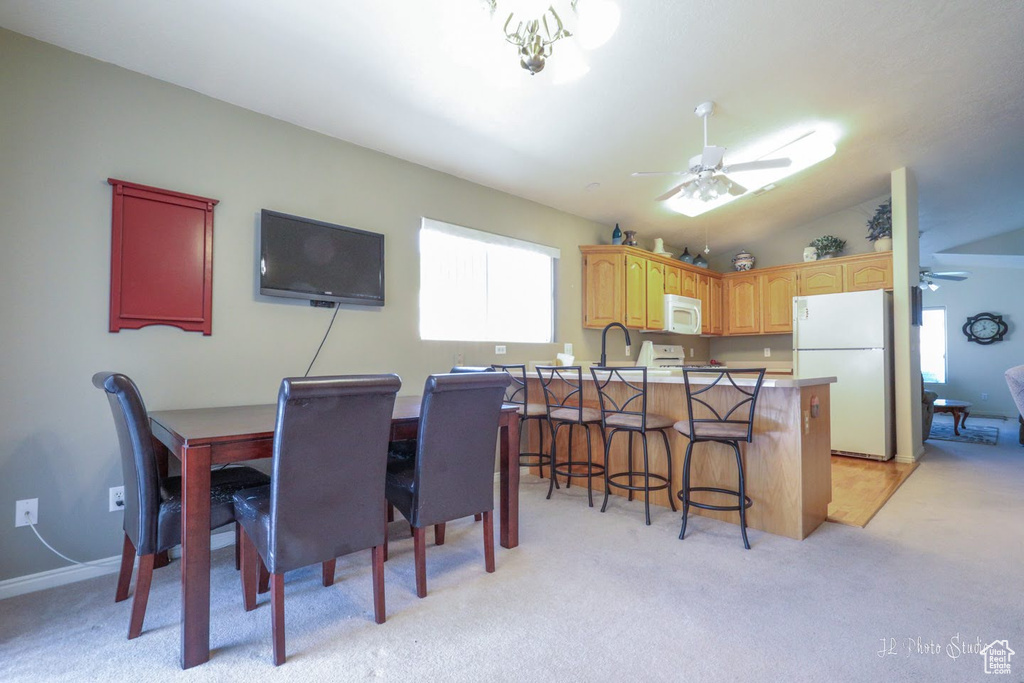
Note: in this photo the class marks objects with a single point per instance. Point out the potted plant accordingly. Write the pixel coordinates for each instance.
(880, 227)
(828, 246)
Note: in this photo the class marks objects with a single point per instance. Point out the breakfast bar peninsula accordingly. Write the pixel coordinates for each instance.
(787, 466)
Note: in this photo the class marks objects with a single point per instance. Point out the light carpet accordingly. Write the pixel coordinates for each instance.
(601, 597)
(980, 434)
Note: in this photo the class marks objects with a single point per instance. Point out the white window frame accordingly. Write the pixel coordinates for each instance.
(945, 343)
(494, 324)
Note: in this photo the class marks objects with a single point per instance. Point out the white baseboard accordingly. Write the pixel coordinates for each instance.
(77, 572)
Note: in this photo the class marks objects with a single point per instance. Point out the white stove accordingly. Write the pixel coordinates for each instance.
(668, 356)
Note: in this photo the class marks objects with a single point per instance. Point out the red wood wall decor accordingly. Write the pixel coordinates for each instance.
(161, 259)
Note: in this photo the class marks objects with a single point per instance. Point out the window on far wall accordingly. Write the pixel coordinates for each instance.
(933, 345)
(477, 286)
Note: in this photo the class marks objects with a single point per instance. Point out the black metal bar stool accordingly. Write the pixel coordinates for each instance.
(707, 423)
(518, 392)
(563, 397)
(628, 414)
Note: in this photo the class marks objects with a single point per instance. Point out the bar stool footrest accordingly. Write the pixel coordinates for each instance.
(747, 502)
(535, 459)
(564, 469)
(628, 487)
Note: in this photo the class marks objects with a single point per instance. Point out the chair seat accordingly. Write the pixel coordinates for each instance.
(654, 421)
(533, 410)
(573, 415)
(223, 486)
(252, 512)
(400, 482)
(713, 430)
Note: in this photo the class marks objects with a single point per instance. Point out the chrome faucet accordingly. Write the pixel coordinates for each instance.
(604, 339)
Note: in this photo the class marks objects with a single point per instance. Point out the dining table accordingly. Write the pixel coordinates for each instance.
(203, 437)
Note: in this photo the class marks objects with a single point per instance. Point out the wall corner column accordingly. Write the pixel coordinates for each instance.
(907, 338)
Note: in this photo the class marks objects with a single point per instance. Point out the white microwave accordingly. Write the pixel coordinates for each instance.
(682, 314)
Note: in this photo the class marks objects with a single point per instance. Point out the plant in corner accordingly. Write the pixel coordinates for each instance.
(828, 246)
(880, 227)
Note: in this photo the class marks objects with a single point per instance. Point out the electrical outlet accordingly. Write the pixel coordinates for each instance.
(459, 359)
(499, 350)
(691, 352)
(984, 397)
(567, 349)
(116, 498)
(767, 352)
(30, 505)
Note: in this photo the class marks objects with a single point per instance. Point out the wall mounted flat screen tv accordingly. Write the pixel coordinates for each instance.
(301, 258)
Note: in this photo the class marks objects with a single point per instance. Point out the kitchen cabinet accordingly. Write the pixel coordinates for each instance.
(709, 291)
(635, 313)
(717, 305)
(688, 284)
(603, 275)
(874, 272)
(673, 280)
(824, 278)
(743, 305)
(778, 287)
(655, 295)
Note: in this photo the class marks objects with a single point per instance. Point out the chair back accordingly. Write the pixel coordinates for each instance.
(631, 404)
(563, 388)
(734, 418)
(1015, 383)
(518, 391)
(465, 369)
(458, 432)
(138, 459)
(330, 459)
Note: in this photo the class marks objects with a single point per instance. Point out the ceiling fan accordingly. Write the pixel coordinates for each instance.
(928, 276)
(705, 178)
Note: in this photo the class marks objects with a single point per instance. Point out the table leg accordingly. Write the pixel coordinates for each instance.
(956, 421)
(195, 556)
(963, 420)
(509, 488)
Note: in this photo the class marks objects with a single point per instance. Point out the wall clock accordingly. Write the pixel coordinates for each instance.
(985, 328)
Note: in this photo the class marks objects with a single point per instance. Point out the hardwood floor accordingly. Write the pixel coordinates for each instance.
(861, 487)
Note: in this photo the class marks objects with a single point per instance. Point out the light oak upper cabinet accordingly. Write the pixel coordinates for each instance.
(673, 276)
(778, 288)
(717, 305)
(709, 291)
(602, 293)
(636, 292)
(688, 286)
(869, 273)
(826, 278)
(743, 305)
(655, 295)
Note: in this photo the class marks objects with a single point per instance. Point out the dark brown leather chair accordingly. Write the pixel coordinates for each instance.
(624, 409)
(152, 502)
(450, 471)
(326, 494)
(726, 417)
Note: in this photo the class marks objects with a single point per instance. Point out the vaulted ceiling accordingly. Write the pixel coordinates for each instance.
(932, 85)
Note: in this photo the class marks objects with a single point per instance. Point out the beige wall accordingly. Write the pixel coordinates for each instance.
(66, 124)
(974, 369)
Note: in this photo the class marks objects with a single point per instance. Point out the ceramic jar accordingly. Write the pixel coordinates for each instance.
(883, 244)
(630, 239)
(743, 261)
(810, 254)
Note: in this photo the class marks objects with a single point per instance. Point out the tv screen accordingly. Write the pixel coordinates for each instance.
(302, 258)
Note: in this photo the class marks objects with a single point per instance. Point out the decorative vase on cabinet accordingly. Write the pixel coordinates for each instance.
(883, 244)
(743, 261)
(630, 239)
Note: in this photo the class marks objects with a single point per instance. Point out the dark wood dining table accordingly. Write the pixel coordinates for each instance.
(203, 437)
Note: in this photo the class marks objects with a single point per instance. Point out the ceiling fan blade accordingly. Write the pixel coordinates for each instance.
(712, 156)
(958, 277)
(757, 165)
(671, 193)
(640, 174)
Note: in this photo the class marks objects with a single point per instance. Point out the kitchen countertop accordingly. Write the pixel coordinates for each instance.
(771, 380)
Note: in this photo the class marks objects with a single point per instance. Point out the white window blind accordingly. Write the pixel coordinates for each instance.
(478, 286)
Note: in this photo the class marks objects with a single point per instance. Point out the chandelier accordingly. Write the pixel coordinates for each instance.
(534, 26)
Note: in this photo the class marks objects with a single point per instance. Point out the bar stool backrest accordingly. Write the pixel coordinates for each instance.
(633, 399)
(563, 387)
(735, 414)
(517, 392)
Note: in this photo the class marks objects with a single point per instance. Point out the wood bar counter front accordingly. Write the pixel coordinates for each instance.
(788, 465)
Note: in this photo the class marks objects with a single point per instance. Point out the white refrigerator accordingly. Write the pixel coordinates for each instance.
(849, 336)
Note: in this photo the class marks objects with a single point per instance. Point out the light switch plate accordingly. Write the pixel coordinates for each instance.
(499, 350)
(767, 352)
(567, 349)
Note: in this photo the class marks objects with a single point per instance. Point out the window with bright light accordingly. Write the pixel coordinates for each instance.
(933, 345)
(478, 286)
